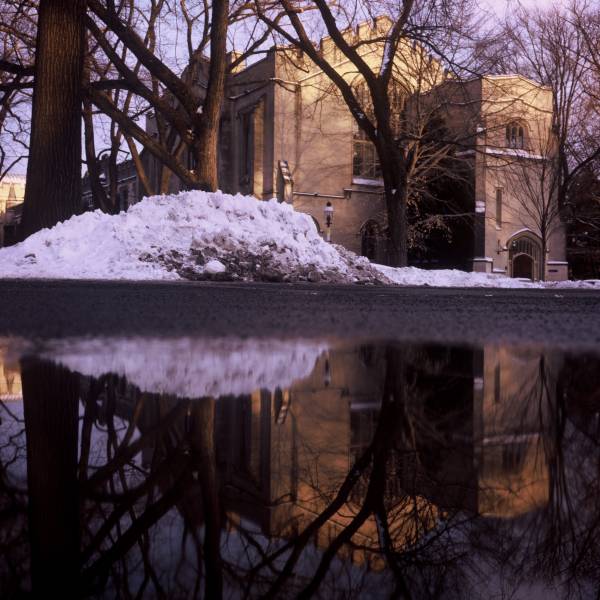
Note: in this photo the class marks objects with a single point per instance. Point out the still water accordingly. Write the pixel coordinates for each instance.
(209, 468)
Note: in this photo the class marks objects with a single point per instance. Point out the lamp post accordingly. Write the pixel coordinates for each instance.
(328, 212)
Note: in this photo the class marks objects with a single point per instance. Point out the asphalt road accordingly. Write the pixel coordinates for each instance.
(43, 309)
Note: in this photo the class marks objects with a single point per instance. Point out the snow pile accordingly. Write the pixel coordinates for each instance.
(198, 235)
(190, 367)
(191, 235)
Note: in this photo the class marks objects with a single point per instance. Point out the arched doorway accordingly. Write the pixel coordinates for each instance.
(522, 266)
(525, 256)
(370, 235)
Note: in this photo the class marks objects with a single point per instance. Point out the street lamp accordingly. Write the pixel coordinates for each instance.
(328, 212)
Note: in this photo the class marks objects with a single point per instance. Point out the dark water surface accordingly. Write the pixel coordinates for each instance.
(312, 468)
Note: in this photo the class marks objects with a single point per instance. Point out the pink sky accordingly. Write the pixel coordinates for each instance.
(500, 6)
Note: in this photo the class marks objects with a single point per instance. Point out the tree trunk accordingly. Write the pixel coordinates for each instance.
(53, 191)
(203, 446)
(397, 226)
(207, 137)
(50, 395)
(544, 257)
(94, 171)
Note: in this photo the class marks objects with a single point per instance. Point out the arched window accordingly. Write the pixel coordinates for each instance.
(515, 136)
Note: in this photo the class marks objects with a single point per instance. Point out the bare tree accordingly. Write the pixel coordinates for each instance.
(53, 190)
(433, 26)
(17, 44)
(558, 47)
(183, 106)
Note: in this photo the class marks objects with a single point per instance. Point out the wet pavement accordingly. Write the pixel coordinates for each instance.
(567, 318)
(167, 441)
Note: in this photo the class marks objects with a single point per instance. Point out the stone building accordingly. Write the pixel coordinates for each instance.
(126, 185)
(12, 194)
(286, 133)
(506, 121)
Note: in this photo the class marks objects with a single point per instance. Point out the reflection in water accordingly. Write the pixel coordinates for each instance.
(297, 469)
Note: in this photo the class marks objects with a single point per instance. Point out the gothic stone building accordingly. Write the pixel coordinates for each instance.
(286, 133)
(12, 193)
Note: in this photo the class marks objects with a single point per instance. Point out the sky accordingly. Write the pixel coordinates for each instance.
(500, 6)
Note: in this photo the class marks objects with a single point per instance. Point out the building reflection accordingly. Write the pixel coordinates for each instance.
(480, 423)
(10, 375)
(514, 400)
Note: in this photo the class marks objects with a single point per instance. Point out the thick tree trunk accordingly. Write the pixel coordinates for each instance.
(50, 396)
(207, 137)
(53, 191)
(397, 225)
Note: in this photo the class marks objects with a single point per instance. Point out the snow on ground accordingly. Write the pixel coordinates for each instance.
(455, 278)
(197, 235)
(191, 367)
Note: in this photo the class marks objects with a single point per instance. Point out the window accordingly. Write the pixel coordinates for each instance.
(499, 207)
(365, 162)
(515, 136)
(191, 159)
(246, 146)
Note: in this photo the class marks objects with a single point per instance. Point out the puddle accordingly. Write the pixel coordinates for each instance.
(222, 467)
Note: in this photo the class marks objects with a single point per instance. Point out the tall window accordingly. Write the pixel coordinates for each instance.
(246, 146)
(499, 207)
(365, 162)
(515, 136)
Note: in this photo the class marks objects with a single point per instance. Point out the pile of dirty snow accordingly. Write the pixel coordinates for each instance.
(191, 235)
(198, 235)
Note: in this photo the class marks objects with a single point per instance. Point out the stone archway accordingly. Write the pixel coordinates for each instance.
(525, 256)
(522, 266)
(370, 239)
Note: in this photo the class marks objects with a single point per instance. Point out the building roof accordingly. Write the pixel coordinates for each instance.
(491, 76)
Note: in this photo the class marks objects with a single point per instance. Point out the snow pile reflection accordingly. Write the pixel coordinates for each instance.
(191, 367)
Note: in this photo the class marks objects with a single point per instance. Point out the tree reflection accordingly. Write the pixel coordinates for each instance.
(50, 395)
(403, 471)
